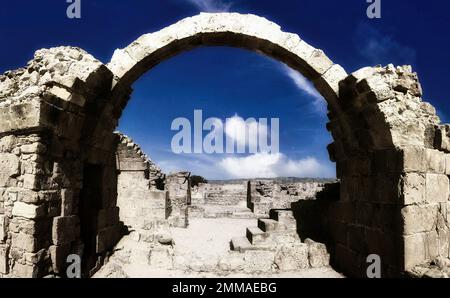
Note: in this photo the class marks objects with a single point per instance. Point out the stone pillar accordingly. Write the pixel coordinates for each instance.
(178, 187)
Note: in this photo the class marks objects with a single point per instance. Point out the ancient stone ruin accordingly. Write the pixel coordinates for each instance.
(63, 170)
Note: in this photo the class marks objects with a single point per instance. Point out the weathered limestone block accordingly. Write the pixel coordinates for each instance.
(258, 261)
(58, 256)
(31, 181)
(28, 210)
(292, 257)
(68, 202)
(34, 148)
(24, 241)
(414, 159)
(447, 164)
(435, 161)
(10, 167)
(420, 248)
(442, 138)
(36, 258)
(65, 229)
(20, 116)
(437, 188)
(232, 262)
(318, 254)
(419, 218)
(3, 230)
(7, 143)
(25, 271)
(413, 186)
(4, 264)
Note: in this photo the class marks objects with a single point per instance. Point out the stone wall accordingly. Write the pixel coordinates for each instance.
(220, 194)
(269, 194)
(45, 213)
(140, 194)
(394, 189)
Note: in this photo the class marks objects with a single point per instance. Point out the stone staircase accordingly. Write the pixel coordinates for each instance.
(281, 227)
(276, 240)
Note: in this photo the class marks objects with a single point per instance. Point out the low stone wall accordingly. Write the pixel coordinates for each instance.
(268, 194)
(233, 194)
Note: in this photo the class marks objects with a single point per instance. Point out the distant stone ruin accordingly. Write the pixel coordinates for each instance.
(59, 175)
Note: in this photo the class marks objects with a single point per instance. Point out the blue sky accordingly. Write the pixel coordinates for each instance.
(227, 82)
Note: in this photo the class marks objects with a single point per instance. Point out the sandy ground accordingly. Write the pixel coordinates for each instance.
(210, 237)
(204, 240)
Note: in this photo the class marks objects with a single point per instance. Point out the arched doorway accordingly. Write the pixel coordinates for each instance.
(381, 152)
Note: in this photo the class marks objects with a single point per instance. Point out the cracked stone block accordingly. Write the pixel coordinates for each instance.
(318, 254)
(258, 261)
(10, 167)
(414, 159)
(232, 262)
(419, 218)
(292, 257)
(437, 188)
(413, 188)
(25, 271)
(436, 161)
(420, 248)
(24, 241)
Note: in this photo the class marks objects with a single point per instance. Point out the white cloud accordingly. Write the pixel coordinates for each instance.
(237, 129)
(380, 48)
(263, 165)
(211, 5)
(307, 87)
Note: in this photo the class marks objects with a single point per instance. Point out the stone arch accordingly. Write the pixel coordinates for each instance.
(58, 116)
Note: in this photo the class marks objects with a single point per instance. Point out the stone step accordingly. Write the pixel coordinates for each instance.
(269, 225)
(240, 244)
(256, 236)
(285, 217)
